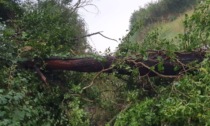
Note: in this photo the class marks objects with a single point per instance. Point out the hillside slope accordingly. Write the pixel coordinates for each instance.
(171, 29)
(166, 29)
(166, 15)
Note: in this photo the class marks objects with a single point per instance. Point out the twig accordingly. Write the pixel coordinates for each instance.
(151, 84)
(96, 77)
(43, 78)
(123, 110)
(82, 4)
(144, 65)
(174, 89)
(85, 99)
(88, 35)
(107, 37)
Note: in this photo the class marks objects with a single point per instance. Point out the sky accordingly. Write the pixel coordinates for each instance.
(111, 17)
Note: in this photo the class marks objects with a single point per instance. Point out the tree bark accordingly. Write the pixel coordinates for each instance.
(158, 63)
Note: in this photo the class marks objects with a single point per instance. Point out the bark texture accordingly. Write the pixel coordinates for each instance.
(158, 63)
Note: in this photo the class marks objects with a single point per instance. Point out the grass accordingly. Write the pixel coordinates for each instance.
(169, 30)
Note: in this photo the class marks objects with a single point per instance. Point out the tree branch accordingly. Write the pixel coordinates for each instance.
(88, 35)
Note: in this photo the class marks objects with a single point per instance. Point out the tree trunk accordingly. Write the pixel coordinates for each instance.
(158, 63)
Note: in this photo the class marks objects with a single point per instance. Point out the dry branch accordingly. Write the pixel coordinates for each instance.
(96, 33)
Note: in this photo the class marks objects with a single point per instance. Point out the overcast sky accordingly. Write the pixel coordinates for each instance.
(111, 17)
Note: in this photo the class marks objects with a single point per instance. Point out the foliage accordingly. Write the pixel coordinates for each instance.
(44, 29)
(181, 101)
(197, 28)
(53, 28)
(155, 12)
(9, 9)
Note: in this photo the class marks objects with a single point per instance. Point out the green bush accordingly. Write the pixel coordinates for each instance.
(184, 100)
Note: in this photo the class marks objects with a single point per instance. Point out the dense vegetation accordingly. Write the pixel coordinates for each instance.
(43, 29)
(157, 12)
(160, 10)
(53, 28)
(182, 101)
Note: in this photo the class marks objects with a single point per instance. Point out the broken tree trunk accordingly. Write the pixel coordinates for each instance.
(158, 63)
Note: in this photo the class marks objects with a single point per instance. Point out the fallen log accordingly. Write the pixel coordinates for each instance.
(80, 64)
(158, 63)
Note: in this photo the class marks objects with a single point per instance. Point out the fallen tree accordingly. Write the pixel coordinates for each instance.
(158, 63)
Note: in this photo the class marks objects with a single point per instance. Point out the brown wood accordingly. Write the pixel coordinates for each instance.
(178, 61)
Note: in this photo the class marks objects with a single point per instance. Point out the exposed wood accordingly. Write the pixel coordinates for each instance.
(80, 64)
(174, 65)
(171, 66)
(43, 78)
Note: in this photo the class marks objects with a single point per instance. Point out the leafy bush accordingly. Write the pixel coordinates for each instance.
(184, 100)
(160, 10)
(44, 29)
(50, 28)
